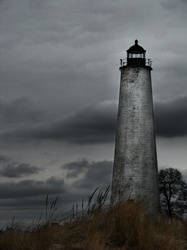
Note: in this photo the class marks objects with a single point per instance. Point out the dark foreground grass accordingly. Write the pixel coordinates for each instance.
(125, 226)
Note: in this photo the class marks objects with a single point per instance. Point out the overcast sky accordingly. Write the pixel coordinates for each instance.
(59, 76)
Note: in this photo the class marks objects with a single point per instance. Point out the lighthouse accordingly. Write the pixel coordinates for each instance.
(135, 171)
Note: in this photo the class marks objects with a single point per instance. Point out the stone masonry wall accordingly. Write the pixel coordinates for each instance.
(135, 173)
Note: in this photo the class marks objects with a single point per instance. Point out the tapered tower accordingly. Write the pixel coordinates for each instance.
(135, 172)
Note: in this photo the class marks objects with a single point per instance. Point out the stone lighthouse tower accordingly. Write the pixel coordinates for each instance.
(135, 173)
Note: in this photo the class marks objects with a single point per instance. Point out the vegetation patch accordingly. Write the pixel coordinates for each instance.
(124, 226)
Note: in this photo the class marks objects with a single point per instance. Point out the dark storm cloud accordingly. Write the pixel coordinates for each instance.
(95, 124)
(98, 175)
(91, 125)
(95, 174)
(64, 55)
(12, 170)
(184, 174)
(31, 188)
(89, 175)
(171, 118)
(26, 199)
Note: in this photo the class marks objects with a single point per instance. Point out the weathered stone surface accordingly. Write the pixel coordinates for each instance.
(135, 173)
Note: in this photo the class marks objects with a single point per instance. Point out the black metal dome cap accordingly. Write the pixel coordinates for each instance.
(136, 49)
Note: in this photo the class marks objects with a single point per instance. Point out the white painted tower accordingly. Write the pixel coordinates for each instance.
(135, 172)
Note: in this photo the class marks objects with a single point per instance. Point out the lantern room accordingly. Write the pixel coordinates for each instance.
(136, 55)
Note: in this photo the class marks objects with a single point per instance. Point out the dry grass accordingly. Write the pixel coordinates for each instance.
(124, 226)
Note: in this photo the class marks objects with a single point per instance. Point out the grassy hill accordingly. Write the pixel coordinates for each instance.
(124, 226)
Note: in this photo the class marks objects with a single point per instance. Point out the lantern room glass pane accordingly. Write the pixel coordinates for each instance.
(142, 55)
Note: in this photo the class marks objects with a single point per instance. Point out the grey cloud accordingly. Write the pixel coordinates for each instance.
(184, 174)
(19, 111)
(36, 4)
(76, 168)
(91, 125)
(3, 159)
(13, 170)
(94, 174)
(64, 55)
(98, 175)
(65, 49)
(31, 188)
(173, 4)
(171, 118)
(26, 199)
(95, 124)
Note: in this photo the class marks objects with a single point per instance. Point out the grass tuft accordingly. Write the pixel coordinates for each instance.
(124, 226)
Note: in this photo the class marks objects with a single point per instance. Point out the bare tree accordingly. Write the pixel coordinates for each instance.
(173, 192)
